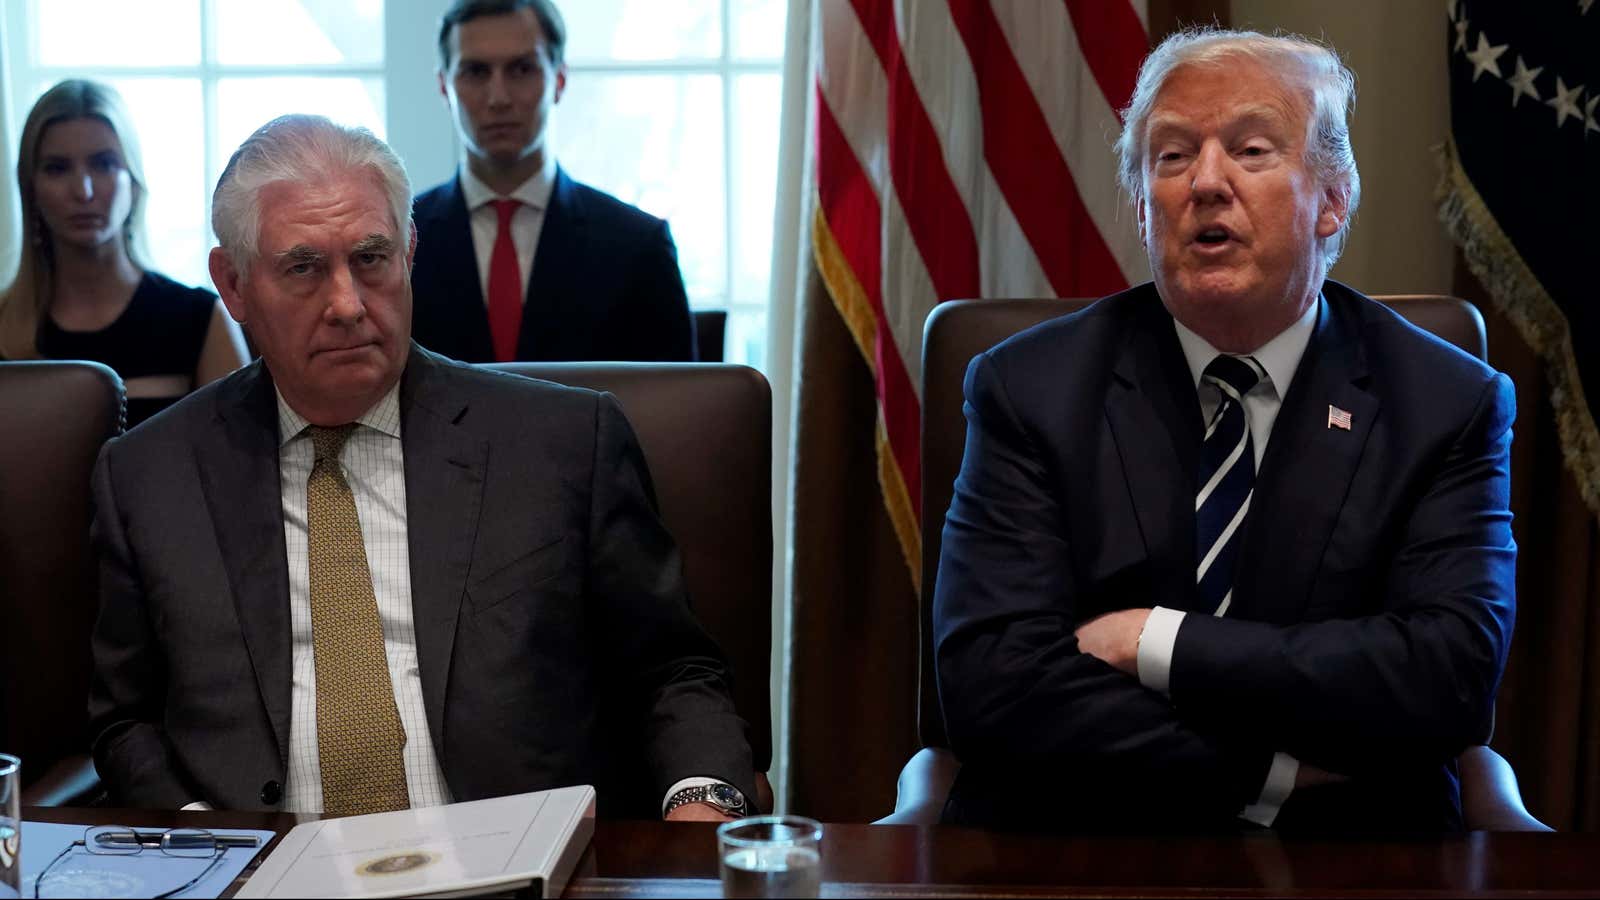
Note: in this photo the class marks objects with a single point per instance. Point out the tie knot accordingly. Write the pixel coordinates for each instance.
(505, 209)
(1234, 374)
(327, 442)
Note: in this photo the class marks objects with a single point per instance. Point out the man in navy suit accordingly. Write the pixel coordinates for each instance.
(515, 260)
(1231, 549)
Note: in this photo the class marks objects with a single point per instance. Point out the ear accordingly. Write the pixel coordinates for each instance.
(561, 82)
(444, 86)
(411, 247)
(227, 280)
(1334, 211)
(1139, 211)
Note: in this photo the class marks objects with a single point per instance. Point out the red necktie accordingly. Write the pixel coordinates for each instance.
(505, 286)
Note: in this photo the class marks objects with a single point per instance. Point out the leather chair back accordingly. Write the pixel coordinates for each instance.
(710, 333)
(706, 431)
(54, 416)
(959, 330)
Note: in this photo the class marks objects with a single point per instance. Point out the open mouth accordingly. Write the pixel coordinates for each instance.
(1213, 236)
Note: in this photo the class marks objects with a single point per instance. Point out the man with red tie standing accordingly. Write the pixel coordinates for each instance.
(515, 260)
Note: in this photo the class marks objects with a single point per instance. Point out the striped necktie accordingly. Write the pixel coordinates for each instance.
(1227, 477)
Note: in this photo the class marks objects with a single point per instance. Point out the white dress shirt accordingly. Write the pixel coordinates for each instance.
(375, 468)
(526, 223)
(1280, 357)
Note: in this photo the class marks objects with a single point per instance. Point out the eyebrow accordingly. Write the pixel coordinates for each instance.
(374, 243)
(299, 254)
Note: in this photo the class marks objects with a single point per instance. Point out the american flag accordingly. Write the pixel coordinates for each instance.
(1338, 418)
(964, 149)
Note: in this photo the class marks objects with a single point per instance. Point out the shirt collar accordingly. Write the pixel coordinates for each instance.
(383, 417)
(1279, 356)
(534, 192)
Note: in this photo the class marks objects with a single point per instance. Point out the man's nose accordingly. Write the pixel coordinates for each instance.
(345, 306)
(499, 91)
(1210, 182)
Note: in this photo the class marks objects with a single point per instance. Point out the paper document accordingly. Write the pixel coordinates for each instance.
(151, 872)
(525, 842)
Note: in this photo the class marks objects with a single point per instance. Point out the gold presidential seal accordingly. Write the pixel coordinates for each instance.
(396, 863)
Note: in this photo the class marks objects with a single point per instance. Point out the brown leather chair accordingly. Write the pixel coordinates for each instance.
(955, 333)
(55, 417)
(706, 431)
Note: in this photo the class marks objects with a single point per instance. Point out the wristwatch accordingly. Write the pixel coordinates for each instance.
(725, 797)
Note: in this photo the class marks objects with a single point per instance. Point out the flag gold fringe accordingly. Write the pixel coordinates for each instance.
(1518, 295)
(845, 290)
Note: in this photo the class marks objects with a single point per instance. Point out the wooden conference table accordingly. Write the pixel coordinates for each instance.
(657, 859)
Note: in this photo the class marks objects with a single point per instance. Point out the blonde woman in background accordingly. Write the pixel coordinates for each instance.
(84, 288)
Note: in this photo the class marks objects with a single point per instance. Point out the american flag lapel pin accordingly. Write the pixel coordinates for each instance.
(1338, 418)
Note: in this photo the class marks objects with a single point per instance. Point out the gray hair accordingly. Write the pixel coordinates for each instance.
(1331, 87)
(298, 148)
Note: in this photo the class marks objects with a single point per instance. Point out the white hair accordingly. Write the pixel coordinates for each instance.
(298, 148)
(1331, 87)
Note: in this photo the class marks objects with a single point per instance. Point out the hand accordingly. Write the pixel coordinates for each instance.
(698, 812)
(1113, 638)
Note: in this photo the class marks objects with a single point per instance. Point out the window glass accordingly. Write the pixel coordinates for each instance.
(758, 29)
(298, 32)
(755, 182)
(116, 32)
(655, 141)
(637, 30)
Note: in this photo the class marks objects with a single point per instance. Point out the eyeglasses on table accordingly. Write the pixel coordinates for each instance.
(120, 840)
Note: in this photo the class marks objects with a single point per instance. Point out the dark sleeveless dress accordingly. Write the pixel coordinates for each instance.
(160, 333)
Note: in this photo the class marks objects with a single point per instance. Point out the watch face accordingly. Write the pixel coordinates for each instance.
(726, 796)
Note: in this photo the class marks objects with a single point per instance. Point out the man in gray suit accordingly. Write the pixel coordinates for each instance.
(355, 576)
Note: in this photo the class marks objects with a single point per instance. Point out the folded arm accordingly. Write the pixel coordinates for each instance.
(1014, 684)
(1410, 684)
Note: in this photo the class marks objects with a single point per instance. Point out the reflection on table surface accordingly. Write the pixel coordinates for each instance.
(655, 859)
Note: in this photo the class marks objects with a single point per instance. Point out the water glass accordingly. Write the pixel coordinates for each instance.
(10, 826)
(771, 856)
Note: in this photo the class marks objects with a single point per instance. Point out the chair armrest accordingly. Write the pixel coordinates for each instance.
(71, 782)
(763, 797)
(923, 788)
(1490, 798)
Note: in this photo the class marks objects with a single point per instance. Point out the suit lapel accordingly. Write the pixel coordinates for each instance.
(1306, 472)
(238, 465)
(444, 492)
(1155, 420)
(561, 241)
(461, 283)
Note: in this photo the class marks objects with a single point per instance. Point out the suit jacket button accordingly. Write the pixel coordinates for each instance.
(271, 793)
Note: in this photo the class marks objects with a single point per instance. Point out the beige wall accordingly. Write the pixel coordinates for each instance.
(1397, 49)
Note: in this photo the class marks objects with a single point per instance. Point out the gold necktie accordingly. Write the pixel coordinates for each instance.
(359, 735)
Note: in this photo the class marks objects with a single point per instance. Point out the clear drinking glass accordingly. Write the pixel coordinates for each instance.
(10, 826)
(771, 856)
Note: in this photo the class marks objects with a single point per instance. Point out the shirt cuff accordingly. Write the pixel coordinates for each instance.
(683, 783)
(1276, 791)
(1156, 640)
(197, 806)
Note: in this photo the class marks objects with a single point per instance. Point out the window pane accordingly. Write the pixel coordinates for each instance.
(167, 113)
(245, 104)
(747, 337)
(758, 28)
(118, 33)
(605, 30)
(756, 100)
(656, 141)
(299, 32)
